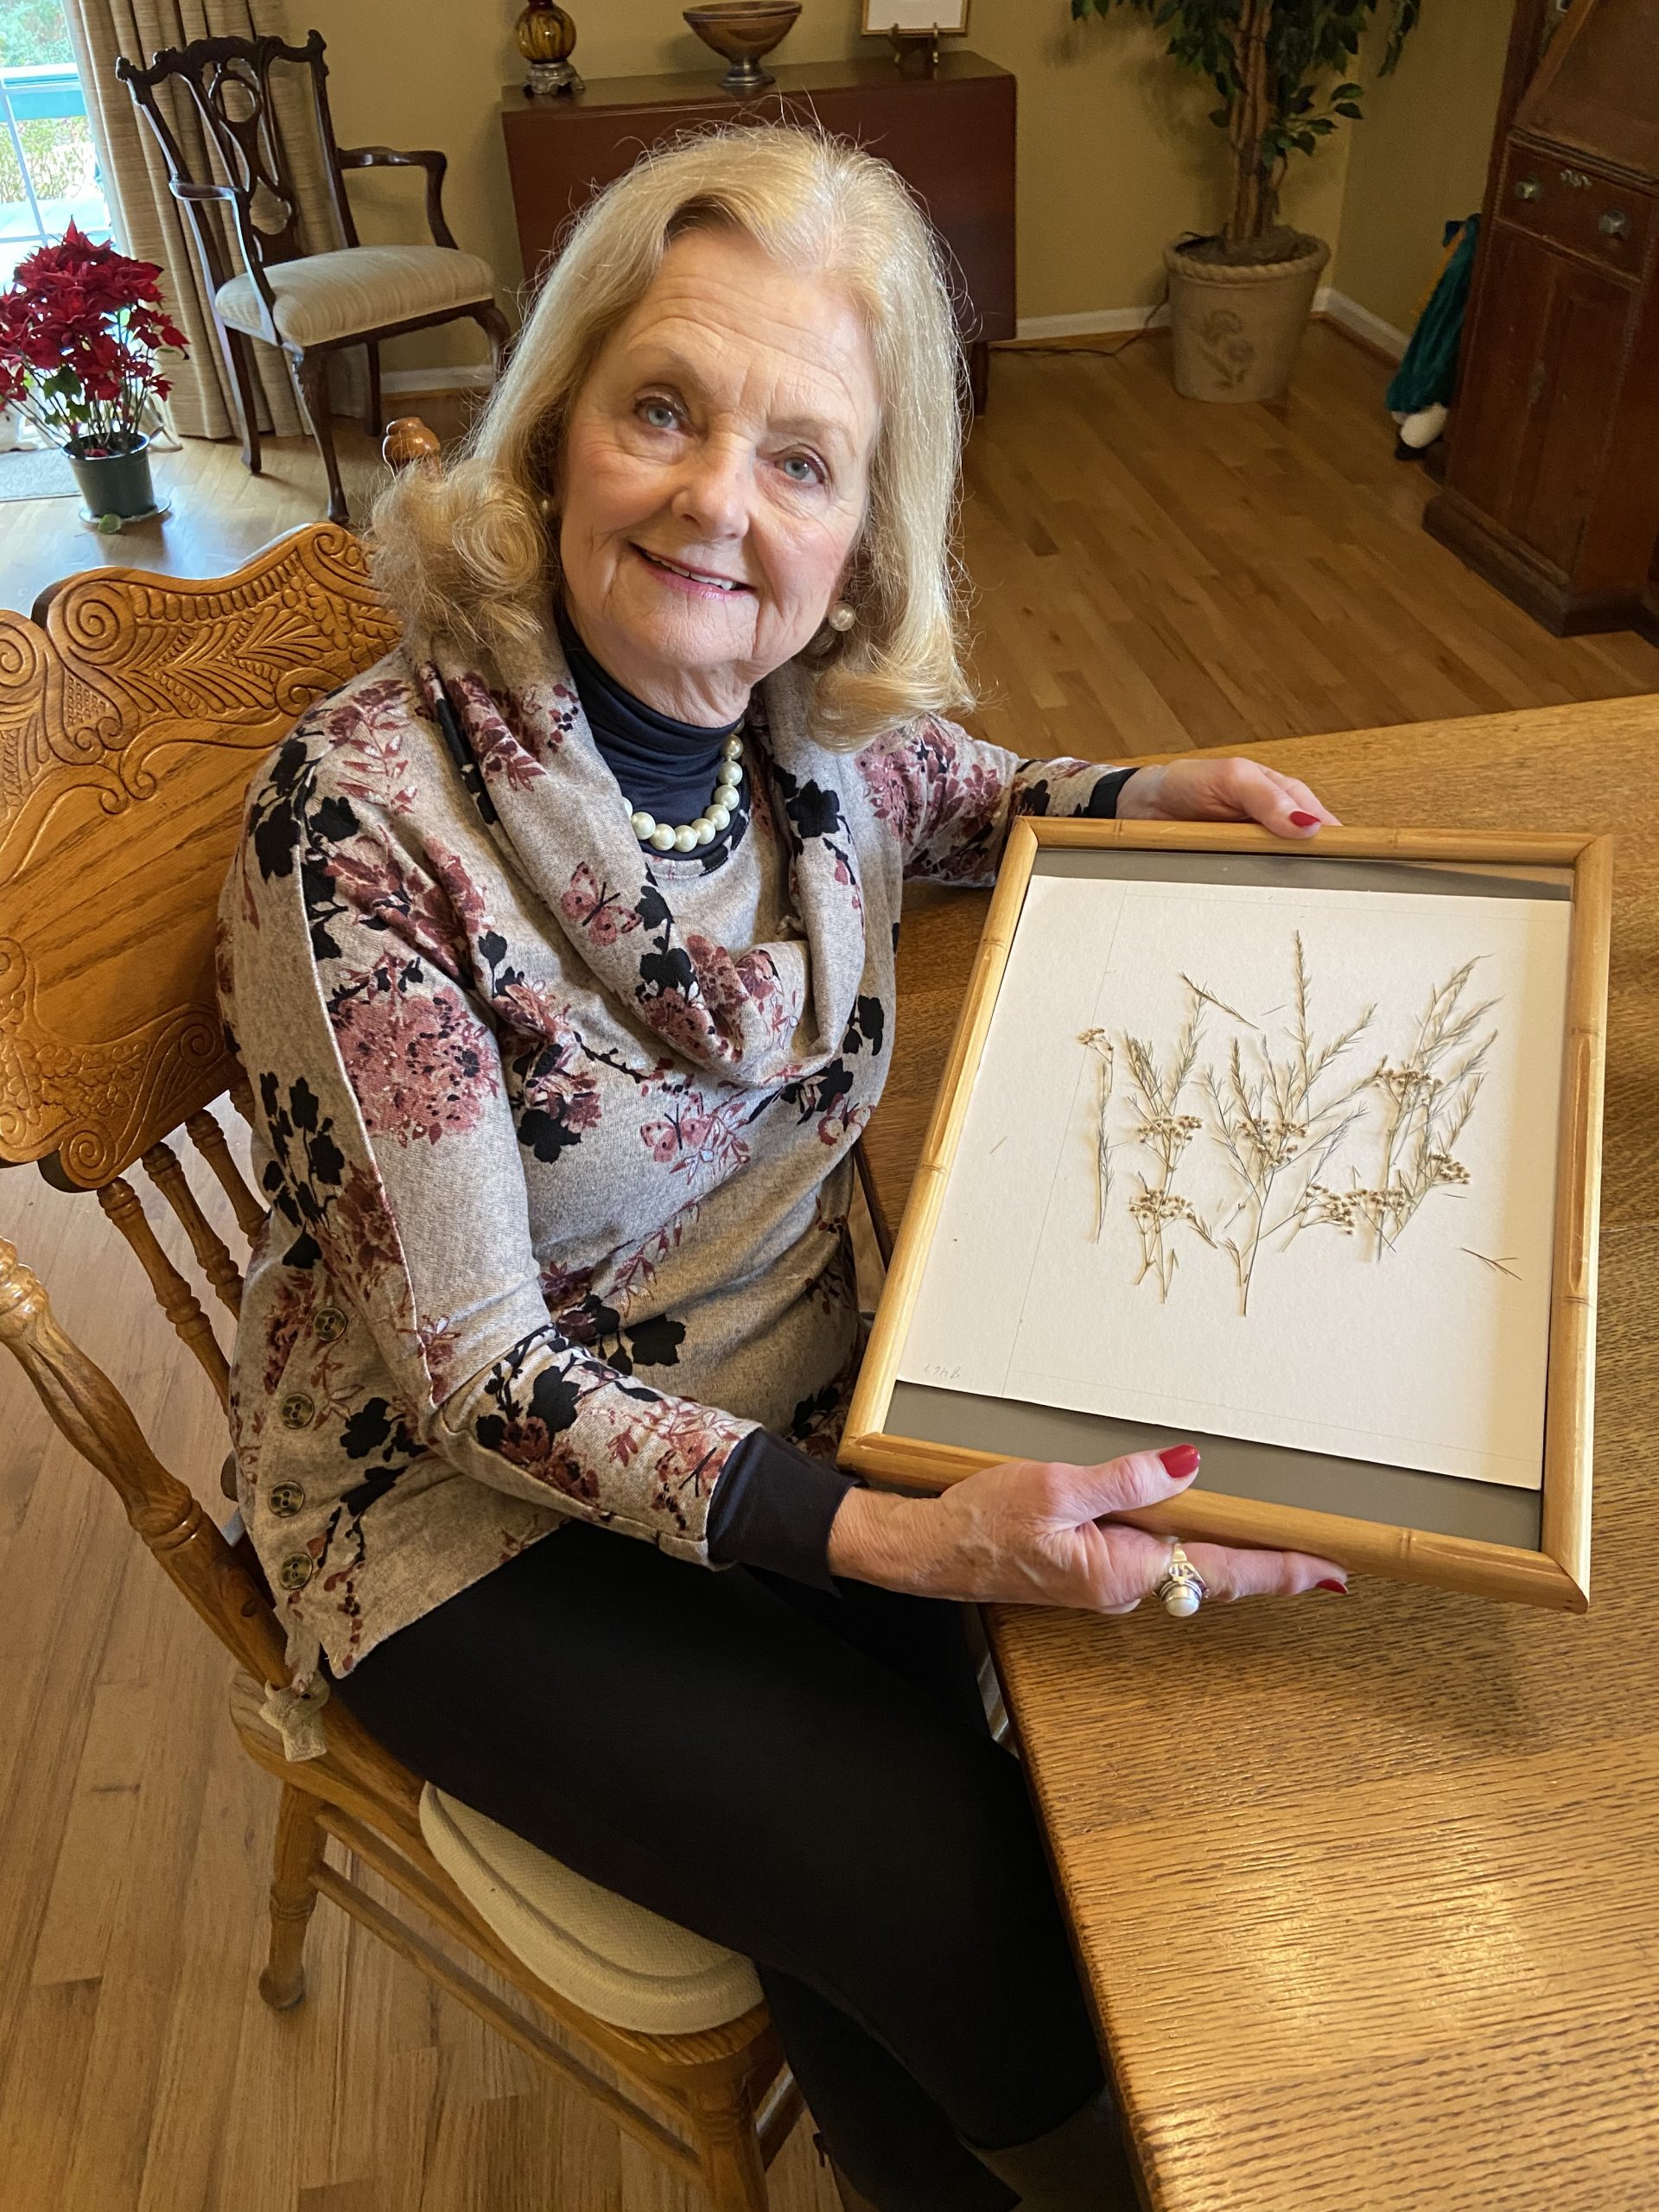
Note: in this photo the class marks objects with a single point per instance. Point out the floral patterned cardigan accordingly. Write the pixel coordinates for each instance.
(555, 1131)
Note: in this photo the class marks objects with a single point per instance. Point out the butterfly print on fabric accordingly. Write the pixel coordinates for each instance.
(696, 1141)
(598, 912)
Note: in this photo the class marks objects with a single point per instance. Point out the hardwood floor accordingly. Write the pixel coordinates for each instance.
(1148, 574)
(139, 2072)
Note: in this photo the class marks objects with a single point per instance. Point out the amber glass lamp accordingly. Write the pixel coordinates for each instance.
(547, 38)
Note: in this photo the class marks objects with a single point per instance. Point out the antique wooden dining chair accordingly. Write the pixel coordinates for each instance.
(217, 109)
(133, 711)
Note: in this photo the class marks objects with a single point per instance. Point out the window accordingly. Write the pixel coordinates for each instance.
(48, 173)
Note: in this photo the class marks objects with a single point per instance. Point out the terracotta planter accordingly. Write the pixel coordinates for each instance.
(1237, 328)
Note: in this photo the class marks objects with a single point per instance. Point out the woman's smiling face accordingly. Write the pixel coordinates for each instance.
(715, 475)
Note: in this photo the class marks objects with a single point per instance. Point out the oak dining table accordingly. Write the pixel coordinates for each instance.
(1365, 1891)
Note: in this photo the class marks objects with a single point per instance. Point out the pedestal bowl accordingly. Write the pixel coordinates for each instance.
(740, 32)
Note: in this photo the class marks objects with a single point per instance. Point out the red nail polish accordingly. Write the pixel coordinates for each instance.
(1306, 821)
(1341, 1588)
(1180, 1461)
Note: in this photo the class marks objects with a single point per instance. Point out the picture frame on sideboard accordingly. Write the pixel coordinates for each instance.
(916, 18)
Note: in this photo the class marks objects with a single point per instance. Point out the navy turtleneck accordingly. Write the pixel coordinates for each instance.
(772, 1505)
(662, 768)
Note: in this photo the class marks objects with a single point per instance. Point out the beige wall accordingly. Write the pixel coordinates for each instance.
(1114, 153)
(1419, 159)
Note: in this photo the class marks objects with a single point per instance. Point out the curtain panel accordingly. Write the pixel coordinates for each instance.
(149, 223)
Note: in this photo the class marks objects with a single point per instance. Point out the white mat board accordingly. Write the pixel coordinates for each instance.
(1417, 1336)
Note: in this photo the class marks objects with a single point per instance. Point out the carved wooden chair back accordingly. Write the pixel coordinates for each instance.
(133, 711)
(216, 107)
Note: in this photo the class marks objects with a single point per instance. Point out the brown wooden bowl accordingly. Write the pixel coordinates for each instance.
(741, 31)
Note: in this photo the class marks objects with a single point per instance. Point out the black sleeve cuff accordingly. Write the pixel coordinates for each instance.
(1102, 800)
(772, 1507)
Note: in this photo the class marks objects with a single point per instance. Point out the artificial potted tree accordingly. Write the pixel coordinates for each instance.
(1239, 301)
(80, 329)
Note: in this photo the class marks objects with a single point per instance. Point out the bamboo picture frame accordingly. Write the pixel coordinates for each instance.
(1557, 1573)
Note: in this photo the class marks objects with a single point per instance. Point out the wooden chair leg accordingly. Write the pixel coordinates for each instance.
(373, 413)
(293, 1894)
(313, 374)
(722, 2128)
(496, 328)
(247, 398)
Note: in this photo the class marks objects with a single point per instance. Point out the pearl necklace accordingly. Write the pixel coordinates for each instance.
(686, 836)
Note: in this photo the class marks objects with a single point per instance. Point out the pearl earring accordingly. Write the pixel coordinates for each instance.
(841, 617)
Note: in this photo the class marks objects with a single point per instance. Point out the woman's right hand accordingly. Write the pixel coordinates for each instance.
(1033, 1532)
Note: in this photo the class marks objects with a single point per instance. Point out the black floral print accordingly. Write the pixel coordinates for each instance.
(556, 1132)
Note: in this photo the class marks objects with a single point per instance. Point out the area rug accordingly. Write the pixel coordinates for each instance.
(43, 474)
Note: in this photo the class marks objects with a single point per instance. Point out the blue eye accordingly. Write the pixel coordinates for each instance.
(659, 414)
(809, 469)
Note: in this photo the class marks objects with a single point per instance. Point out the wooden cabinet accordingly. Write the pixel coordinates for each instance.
(949, 133)
(1552, 483)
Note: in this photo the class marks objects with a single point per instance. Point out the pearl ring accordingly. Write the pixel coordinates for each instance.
(1180, 1586)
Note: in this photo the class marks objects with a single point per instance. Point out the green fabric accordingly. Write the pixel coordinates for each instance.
(1429, 371)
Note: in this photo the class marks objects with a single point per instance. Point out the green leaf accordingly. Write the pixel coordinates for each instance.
(1354, 114)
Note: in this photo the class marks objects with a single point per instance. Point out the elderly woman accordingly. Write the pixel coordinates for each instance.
(560, 952)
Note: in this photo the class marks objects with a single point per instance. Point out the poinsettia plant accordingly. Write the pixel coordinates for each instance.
(80, 329)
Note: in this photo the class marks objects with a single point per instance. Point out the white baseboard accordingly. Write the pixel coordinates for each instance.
(1093, 323)
(471, 376)
(1362, 323)
(1098, 322)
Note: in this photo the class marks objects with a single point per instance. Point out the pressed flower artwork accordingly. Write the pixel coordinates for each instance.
(1276, 1164)
(1294, 1119)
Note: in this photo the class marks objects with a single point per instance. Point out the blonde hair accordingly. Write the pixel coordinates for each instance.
(465, 552)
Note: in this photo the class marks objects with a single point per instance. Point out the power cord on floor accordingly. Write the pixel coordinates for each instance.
(1022, 347)
(1018, 346)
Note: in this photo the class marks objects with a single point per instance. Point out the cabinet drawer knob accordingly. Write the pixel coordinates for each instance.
(1615, 223)
(1529, 189)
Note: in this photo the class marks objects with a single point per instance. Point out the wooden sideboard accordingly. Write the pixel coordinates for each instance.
(949, 133)
(1552, 481)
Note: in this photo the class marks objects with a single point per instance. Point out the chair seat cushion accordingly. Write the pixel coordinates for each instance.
(330, 296)
(616, 1959)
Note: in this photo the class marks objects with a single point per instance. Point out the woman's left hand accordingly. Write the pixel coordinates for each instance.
(1223, 790)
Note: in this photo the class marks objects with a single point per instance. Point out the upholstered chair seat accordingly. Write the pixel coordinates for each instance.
(619, 1962)
(328, 296)
(235, 176)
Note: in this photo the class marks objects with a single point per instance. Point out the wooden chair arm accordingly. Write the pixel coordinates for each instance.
(196, 195)
(389, 157)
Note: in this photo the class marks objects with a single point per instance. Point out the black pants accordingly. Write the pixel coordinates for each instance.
(804, 1777)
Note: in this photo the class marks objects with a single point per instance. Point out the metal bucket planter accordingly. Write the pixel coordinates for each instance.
(1237, 326)
(116, 486)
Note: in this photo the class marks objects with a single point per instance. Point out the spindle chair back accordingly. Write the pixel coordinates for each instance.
(134, 709)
